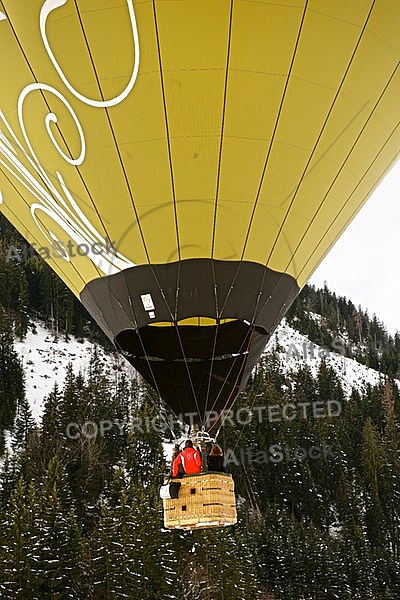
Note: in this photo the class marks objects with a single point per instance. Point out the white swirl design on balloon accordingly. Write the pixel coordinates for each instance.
(60, 206)
(57, 201)
(51, 5)
(51, 118)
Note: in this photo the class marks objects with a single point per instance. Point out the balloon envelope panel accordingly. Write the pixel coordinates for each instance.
(203, 155)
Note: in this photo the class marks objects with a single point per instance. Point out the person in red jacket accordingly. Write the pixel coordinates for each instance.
(189, 458)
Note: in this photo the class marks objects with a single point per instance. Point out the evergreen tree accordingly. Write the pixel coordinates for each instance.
(19, 534)
(12, 379)
(131, 555)
(24, 425)
(52, 434)
(373, 460)
(9, 476)
(58, 565)
(214, 564)
(144, 450)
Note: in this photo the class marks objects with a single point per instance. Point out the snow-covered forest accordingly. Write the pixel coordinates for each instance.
(312, 444)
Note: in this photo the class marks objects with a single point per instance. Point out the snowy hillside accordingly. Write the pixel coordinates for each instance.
(295, 351)
(45, 360)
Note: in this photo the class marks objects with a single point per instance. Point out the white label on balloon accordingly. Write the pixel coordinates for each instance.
(147, 301)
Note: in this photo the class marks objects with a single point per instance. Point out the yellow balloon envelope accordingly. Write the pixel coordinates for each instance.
(184, 166)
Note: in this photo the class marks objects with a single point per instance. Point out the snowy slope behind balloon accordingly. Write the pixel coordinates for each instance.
(295, 350)
(45, 359)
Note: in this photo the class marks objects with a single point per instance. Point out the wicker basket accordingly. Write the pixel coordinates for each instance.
(205, 500)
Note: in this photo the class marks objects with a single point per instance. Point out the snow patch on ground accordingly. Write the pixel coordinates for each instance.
(45, 360)
(295, 351)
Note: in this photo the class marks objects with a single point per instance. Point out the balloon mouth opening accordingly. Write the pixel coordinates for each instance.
(191, 366)
(207, 322)
(192, 339)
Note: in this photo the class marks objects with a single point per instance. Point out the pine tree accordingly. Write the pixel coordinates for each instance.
(215, 564)
(109, 409)
(13, 286)
(373, 460)
(52, 434)
(72, 404)
(144, 450)
(131, 557)
(9, 476)
(12, 379)
(24, 425)
(58, 565)
(18, 533)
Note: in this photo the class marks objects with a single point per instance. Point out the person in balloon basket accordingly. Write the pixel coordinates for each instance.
(188, 461)
(215, 459)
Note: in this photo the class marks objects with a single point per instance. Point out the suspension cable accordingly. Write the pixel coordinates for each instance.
(236, 380)
(184, 357)
(241, 351)
(147, 360)
(214, 342)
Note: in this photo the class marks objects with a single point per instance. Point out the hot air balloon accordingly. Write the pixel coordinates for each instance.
(189, 164)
